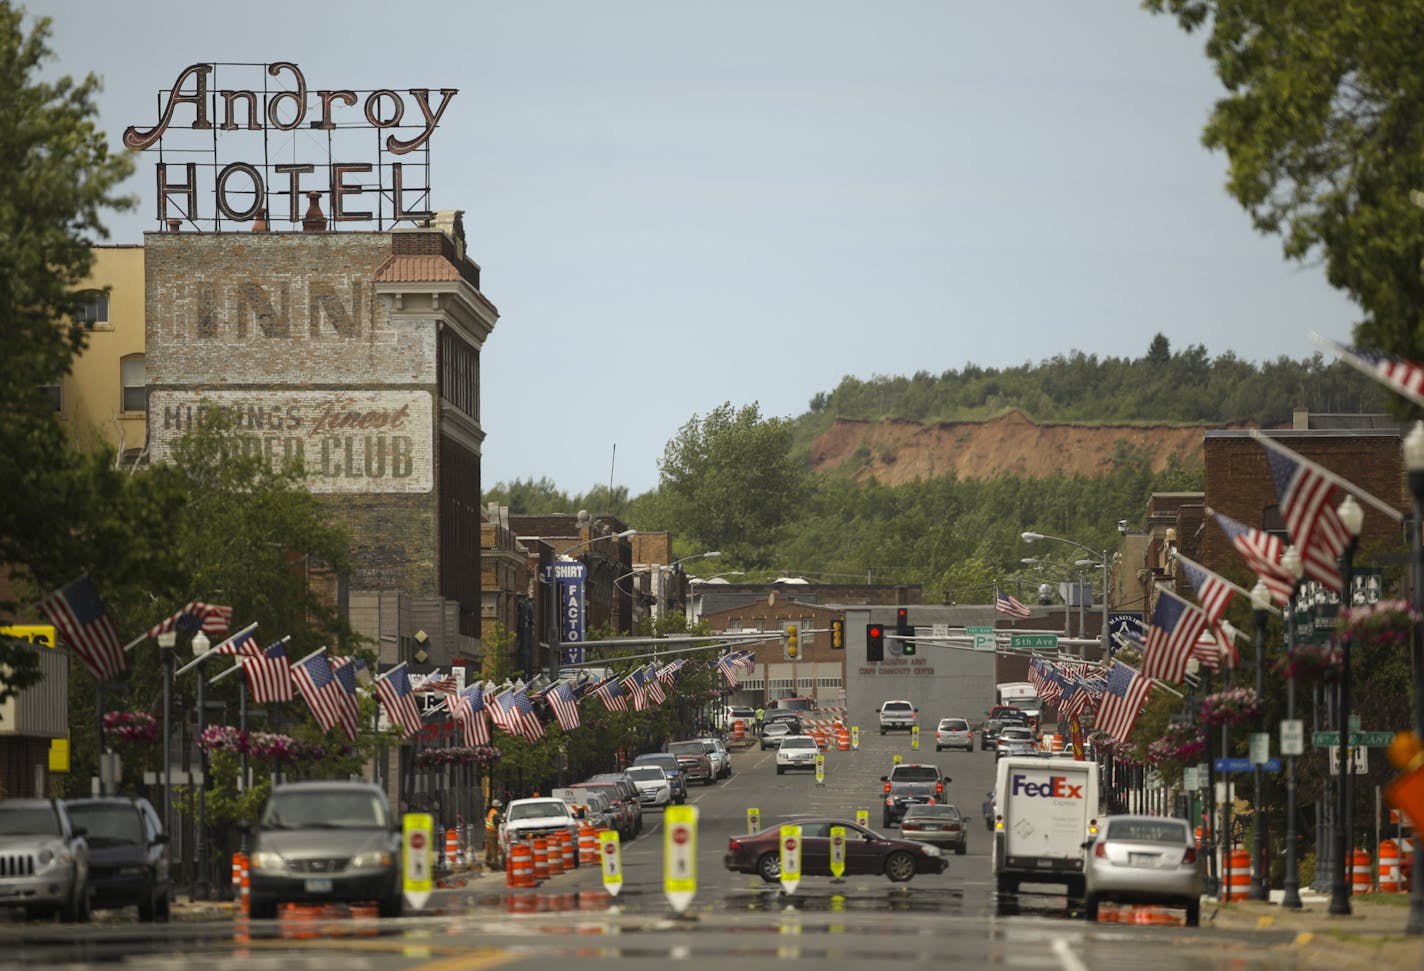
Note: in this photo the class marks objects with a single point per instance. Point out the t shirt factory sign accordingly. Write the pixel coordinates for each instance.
(347, 441)
(256, 142)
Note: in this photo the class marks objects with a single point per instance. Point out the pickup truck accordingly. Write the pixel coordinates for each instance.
(528, 818)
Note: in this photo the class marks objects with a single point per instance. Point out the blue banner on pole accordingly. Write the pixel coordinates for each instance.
(568, 579)
(1244, 765)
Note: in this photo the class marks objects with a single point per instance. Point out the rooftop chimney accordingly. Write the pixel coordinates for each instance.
(313, 221)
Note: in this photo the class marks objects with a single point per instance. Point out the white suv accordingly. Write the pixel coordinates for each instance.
(897, 716)
(796, 752)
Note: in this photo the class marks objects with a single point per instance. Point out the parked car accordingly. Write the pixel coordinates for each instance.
(595, 808)
(540, 816)
(787, 716)
(44, 860)
(907, 785)
(939, 824)
(325, 842)
(897, 716)
(1014, 740)
(629, 790)
(624, 820)
(721, 758)
(866, 852)
(989, 734)
(954, 733)
(796, 752)
(654, 789)
(670, 765)
(1143, 859)
(772, 734)
(128, 854)
(692, 756)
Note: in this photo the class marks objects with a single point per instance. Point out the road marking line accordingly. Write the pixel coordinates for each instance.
(1066, 958)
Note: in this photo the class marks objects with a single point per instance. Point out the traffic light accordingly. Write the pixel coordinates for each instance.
(905, 631)
(874, 642)
(838, 635)
(791, 641)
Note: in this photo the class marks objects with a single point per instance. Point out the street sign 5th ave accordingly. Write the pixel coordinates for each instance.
(1049, 641)
(1366, 739)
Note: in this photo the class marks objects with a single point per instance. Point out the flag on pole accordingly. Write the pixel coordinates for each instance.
(76, 610)
(1214, 593)
(436, 683)
(269, 677)
(649, 677)
(561, 699)
(344, 669)
(1121, 702)
(244, 644)
(728, 666)
(1262, 553)
(1171, 639)
(635, 691)
(318, 685)
(394, 691)
(195, 615)
(1308, 501)
(1400, 376)
(1011, 606)
(608, 692)
(468, 707)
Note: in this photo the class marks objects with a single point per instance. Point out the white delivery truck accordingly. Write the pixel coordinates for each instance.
(1045, 808)
(1022, 695)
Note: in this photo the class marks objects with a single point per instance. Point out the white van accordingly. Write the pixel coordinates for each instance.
(1045, 809)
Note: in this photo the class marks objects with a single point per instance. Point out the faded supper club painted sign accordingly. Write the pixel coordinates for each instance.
(254, 141)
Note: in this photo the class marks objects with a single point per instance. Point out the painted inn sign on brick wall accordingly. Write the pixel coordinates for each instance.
(275, 149)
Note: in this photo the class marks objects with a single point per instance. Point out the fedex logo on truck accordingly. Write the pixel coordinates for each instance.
(1056, 787)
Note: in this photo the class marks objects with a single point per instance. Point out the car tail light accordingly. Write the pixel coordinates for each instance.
(889, 801)
(1101, 851)
(1190, 856)
(909, 827)
(734, 844)
(939, 788)
(887, 787)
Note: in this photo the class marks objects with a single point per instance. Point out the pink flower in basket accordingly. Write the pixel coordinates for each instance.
(137, 727)
(1229, 706)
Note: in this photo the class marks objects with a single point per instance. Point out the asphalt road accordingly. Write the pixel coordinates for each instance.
(943, 920)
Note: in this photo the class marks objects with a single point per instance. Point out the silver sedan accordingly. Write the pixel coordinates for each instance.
(1145, 860)
(940, 825)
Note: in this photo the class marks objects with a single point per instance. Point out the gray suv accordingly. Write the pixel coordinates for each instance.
(44, 860)
(897, 716)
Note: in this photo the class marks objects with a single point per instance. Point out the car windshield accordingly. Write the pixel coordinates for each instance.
(686, 748)
(916, 773)
(954, 725)
(25, 821)
(647, 773)
(108, 823)
(898, 707)
(325, 809)
(1016, 735)
(534, 810)
(1147, 831)
(932, 812)
(798, 742)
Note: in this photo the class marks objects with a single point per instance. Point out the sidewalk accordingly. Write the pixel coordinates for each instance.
(1370, 937)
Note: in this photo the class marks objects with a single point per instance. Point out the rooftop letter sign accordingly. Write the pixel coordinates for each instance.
(280, 141)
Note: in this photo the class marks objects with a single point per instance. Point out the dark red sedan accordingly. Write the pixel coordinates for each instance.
(866, 852)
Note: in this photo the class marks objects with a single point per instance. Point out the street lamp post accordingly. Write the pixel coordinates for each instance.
(1290, 559)
(200, 855)
(1352, 518)
(166, 642)
(1101, 556)
(1414, 462)
(1260, 612)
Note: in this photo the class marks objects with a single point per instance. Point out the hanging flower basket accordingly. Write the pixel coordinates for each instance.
(137, 727)
(223, 738)
(1310, 662)
(1383, 624)
(431, 758)
(1181, 742)
(1230, 706)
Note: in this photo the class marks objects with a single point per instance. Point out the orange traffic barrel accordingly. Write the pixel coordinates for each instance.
(1237, 879)
(1360, 872)
(1391, 868)
(452, 848)
(567, 849)
(842, 738)
(556, 855)
(588, 843)
(541, 858)
(739, 730)
(519, 866)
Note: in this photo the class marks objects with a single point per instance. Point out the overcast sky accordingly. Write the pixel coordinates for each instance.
(679, 204)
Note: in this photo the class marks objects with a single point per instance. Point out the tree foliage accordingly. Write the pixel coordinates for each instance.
(1323, 129)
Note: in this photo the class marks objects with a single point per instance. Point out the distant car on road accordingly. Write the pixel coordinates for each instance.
(1014, 740)
(910, 784)
(128, 854)
(46, 860)
(866, 852)
(654, 789)
(1143, 859)
(897, 716)
(772, 734)
(672, 767)
(796, 752)
(954, 733)
(941, 825)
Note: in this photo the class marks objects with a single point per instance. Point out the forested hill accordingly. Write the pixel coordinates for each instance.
(1074, 415)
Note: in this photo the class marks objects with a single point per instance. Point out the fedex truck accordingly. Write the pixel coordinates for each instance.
(1045, 808)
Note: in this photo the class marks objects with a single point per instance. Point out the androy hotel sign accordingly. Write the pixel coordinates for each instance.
(279, 141)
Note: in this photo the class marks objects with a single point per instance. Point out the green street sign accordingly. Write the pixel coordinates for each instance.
(978, 630)
(1049, 641)
(1357, 739)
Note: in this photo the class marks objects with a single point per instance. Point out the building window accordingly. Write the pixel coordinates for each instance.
(92, 309)
(135, 392)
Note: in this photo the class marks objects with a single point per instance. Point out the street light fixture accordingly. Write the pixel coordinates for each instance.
(1414, 463)
(589, 542)
(166, 642)
(200, 883)
(1101, 557)
(1260, 612)
(1352, 517)
(1290, 559)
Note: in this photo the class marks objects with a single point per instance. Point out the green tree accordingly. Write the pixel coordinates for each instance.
(731, 482)
(1325, 141)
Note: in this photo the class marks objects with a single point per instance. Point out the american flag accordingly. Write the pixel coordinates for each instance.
(1401, 376)
(436, 683)
(243, 643)
(1045, 677)
(269, 676)
(211, 618)
(649, 677)
(77, 612)
(634, 685)
(324, 694)
(468, 707)
(1123, 696)
(668, 671)
(1079, 693)
(608, 692)
(728, 666)
(1213, 593)
(1307, 499)
(516, 715)
(1262, 553)
(561, 699)
(345, 669)
(394, 691)
(1013, 607)
(1171, 638)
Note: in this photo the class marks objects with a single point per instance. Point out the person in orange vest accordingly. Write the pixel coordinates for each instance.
(492, 820)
